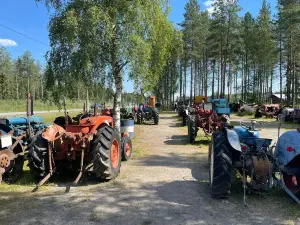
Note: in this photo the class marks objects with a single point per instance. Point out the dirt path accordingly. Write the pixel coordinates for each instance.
(167, 185)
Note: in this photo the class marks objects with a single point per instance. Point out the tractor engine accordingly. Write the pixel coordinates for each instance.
(255, 159)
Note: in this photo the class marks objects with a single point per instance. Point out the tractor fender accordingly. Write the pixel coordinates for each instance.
(233, 139)
(52, 132)
(287, 147)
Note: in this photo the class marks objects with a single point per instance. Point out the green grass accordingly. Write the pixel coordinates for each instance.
(20, 105)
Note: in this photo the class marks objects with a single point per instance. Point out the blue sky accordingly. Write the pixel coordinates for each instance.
(31, 19)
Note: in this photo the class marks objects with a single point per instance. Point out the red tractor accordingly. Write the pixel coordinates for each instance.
(88, 144)
(202, 116)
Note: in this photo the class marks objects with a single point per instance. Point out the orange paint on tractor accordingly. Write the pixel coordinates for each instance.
(152, 101)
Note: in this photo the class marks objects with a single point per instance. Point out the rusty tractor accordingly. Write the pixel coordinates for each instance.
(16, 134)
(90, 144)
(206, 115)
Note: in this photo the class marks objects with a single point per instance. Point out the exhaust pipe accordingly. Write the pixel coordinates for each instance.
(28, 113)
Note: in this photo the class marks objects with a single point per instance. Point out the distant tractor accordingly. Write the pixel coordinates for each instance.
(16, 133)
(148, 112)
(206, 115)
(89, 145)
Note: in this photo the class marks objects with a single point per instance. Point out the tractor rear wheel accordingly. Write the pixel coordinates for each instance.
(106, 154)
(126, 147)
(192, 132)
(292, 182)
(38, 160)
(139, 118)
(220, 165)
(155, 116)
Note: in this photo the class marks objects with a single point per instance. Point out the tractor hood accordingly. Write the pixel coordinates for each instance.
(23, 120)
(288, 147)
(244, 133)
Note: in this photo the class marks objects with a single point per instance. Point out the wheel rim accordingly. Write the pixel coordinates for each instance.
(114, 154)
(292, 183)
(127, 149)
(212, 163)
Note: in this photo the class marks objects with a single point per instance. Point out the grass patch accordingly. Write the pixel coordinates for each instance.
(20, 105)
(138, 153)
(245, 114)
(49, 117)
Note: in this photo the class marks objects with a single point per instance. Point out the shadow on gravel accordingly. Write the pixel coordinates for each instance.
(168, 117)
(177, 140)
(183, 140)
(184, 201)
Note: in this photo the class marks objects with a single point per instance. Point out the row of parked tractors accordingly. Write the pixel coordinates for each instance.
(86, 143)
(261, 164)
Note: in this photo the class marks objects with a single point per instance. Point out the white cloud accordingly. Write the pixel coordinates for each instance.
(209, 3)
(7, 43)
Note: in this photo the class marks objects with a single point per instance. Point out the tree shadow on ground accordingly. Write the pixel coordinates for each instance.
(168, 117)
(183, 201)
(177, 140)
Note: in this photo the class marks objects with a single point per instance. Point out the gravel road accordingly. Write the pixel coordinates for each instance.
(167, 184)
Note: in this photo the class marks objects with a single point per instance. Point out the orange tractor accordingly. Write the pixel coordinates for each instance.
(88, 144)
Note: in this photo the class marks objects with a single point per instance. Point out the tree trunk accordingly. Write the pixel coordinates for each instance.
(280, 66)
(185, 81)
(180, 80)
(191, 90)
(213, 80)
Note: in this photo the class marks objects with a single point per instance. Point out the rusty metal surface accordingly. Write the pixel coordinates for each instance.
(261, 166)
(6, 161)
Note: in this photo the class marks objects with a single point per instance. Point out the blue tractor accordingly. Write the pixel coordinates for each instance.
(148, 112)
(16, 134)
(260, 164)
(221, 106)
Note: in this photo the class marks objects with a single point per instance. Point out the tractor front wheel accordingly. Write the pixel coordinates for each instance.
(155, 116)
(126, 147)
(106, 154)
(139, 118)
(192, 132)
(220, 165)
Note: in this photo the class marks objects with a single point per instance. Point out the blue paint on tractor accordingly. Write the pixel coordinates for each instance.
(288, 147)
(245, 133)
(20, 124)
(221, 106)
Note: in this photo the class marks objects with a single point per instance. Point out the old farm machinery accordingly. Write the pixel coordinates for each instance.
(88, 144)
(206, 115)
(148, 112)
(260, 164)
(16, 133)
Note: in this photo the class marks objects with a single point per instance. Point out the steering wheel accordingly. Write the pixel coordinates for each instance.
(85, 114)
(245, 126)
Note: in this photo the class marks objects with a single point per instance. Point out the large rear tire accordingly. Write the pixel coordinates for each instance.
(156, 116)
(220, 165)
(192, 132)
(106, 154)
(38, 160)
